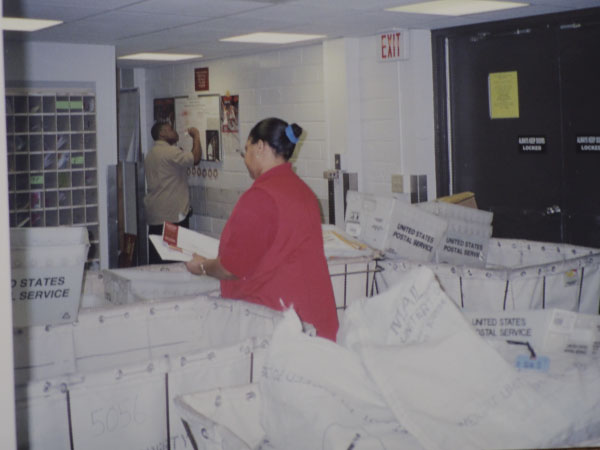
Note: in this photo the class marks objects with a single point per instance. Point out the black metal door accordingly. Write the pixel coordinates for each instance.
(579, 56)
(522, 187)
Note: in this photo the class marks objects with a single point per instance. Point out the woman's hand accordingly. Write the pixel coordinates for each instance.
(197, 265)
(200, 265)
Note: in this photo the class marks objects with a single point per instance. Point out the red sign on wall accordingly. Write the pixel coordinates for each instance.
(393, 45)
(201, 78)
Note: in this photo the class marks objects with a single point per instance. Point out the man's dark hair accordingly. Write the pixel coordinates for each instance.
(156, 128)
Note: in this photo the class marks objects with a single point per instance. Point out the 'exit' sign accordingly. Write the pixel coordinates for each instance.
(393, 45)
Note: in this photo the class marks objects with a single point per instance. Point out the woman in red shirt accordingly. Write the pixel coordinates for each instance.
(271, 249)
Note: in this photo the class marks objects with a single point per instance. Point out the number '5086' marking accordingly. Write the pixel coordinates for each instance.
(116, 416)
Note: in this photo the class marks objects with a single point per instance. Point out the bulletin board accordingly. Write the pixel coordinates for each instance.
(204, 113)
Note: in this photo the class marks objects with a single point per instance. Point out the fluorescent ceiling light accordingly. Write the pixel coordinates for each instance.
(160, 56)
(273, 38)
(456, 7)
(22, 24)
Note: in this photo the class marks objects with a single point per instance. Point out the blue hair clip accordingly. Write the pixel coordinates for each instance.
(290, 134)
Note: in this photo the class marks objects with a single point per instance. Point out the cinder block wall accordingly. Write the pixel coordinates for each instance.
(286, 84)
(397, 118)
(380, 120)
(394, 117)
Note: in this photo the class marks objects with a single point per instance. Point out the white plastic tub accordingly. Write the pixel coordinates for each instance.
(47, 270)
(467, 238)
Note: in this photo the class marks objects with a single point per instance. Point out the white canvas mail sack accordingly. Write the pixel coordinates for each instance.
(316, 394)
(564, 276)
(450, 389)
(42, 352)
(42, 416)
(518, 253)
(214, 369)
(550, 331)
(223, 418)
(122, 408)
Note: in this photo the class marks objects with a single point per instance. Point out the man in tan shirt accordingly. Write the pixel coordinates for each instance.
(167, 194)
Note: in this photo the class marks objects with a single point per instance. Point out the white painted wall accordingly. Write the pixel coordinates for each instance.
(378, 116)
(36, 62)
(397, 118)
(341, 84)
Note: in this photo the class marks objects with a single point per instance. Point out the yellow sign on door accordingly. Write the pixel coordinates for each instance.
(503, 89)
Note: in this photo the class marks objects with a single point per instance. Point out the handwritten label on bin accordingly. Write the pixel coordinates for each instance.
(539, 363)
(129, 413)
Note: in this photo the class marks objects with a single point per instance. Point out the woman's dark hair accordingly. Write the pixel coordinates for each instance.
(273, 132)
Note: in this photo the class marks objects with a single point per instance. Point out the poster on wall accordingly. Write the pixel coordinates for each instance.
(213, 145)
(164, 110)
(201, 79)
(229, 106)
(204, 113)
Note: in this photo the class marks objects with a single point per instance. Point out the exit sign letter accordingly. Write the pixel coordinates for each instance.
(393, 45)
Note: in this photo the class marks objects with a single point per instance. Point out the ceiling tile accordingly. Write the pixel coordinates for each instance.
(198, 8)
(190, 26)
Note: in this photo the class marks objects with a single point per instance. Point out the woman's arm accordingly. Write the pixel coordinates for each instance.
(200, 265)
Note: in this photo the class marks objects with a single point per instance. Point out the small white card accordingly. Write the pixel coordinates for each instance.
(179, 244)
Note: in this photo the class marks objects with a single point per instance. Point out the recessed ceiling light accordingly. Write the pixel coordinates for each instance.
(22, 24)
(160, 56)
(456, 7)
(273, 38)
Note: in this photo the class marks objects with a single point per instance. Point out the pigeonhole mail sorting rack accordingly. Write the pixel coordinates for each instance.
(518, 275)
(52, 161)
